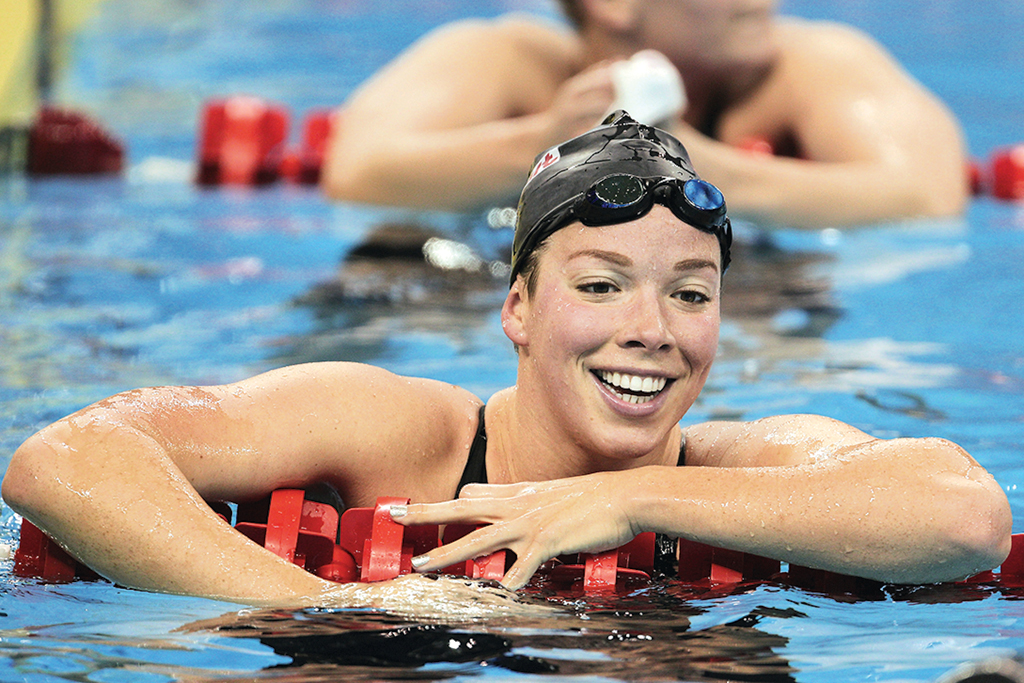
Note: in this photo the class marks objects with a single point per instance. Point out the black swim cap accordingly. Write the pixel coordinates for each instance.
(614, 174)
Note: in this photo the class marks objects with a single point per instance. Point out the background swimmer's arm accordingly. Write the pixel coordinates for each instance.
(122, 483)
(801, 489)
(878, 145)
(456, 121)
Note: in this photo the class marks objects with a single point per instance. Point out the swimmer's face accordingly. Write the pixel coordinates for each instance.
(714, 33)
(638, 299)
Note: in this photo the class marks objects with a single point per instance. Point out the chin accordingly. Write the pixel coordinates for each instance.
(630, 443)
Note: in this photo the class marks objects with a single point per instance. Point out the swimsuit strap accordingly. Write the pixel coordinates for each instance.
(666, 562)
(475, 471)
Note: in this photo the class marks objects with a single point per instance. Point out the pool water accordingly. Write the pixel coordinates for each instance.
(904, 329)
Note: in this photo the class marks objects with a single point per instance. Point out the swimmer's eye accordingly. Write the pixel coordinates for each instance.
(692, 296)
(599, 287)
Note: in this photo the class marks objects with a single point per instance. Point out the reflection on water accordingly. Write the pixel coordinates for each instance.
(617, 638)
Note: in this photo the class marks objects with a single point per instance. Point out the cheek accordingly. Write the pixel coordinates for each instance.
(702, 340)
(571, 325)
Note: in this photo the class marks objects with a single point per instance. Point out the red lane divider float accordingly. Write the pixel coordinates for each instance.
(65, 142)
(366, 545)
(1005, 177)
(243, 141)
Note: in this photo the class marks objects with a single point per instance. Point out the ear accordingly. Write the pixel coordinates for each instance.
(513, 314)
(614, 15)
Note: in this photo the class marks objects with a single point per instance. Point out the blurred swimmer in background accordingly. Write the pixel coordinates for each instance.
(451, 123)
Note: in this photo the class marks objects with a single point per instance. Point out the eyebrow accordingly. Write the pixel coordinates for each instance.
(696, 264)
(620, 260)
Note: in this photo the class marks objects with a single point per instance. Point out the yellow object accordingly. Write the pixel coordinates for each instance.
(19, 51)
(19, 32)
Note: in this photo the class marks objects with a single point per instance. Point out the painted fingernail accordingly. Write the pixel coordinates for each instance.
(398, 511)
(420, 560)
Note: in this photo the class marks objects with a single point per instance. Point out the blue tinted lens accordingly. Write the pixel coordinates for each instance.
(616, 192)
(703, 194)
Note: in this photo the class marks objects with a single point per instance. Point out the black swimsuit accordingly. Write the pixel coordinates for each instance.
(476, 467)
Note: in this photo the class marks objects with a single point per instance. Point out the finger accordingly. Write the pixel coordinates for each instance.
(476, 544)
(518, 489)
(461, 511)
(495, 490)
(522, 570)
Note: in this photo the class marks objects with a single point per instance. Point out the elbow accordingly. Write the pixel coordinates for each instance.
(25, 478)
(941, 200)
(352, 173)
(979, 525)
(342, 181)
(942, 191)
(341, 173)
(984, 536)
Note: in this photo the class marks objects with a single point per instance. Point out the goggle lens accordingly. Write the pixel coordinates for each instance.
(616, 192)
(703, 195)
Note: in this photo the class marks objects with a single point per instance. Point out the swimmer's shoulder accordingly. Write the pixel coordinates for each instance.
(518, 39)
(830, 44)
(399, 404)
(384, 433)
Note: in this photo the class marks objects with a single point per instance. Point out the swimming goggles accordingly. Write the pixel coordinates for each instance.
(623, 197)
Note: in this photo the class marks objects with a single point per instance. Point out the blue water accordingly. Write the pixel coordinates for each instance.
(107, 285)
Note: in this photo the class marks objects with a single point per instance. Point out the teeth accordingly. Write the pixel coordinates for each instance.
(641, 389)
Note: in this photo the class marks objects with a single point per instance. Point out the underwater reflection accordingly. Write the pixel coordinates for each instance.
(641, 636)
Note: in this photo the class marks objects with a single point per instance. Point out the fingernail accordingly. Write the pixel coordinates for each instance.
(420, 560)
(398, 511)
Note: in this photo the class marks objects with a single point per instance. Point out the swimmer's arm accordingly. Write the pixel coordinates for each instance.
(820, 493)
(455, 122)
(801, 489)
(122, 483)
(109, 493)
(877, 145)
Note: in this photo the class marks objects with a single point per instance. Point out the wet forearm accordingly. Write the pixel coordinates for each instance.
(110, 496)
(863, 514)
(457, 169)
(815, 194)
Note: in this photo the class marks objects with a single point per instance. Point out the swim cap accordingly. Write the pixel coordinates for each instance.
(615, 173)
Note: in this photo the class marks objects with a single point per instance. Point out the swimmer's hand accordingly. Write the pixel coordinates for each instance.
(537, 521)
(437, 598)
(580, 103)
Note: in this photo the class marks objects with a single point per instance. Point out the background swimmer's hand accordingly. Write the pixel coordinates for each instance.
(537, 521)
(580, 103)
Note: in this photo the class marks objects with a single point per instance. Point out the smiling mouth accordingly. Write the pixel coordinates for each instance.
(632, 388)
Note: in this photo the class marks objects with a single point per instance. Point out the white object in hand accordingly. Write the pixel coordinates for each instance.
(648, 87)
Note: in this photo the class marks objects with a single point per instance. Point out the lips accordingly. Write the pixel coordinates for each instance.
(632, 388)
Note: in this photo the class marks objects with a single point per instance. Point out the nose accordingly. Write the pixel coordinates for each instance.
(646, 324)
